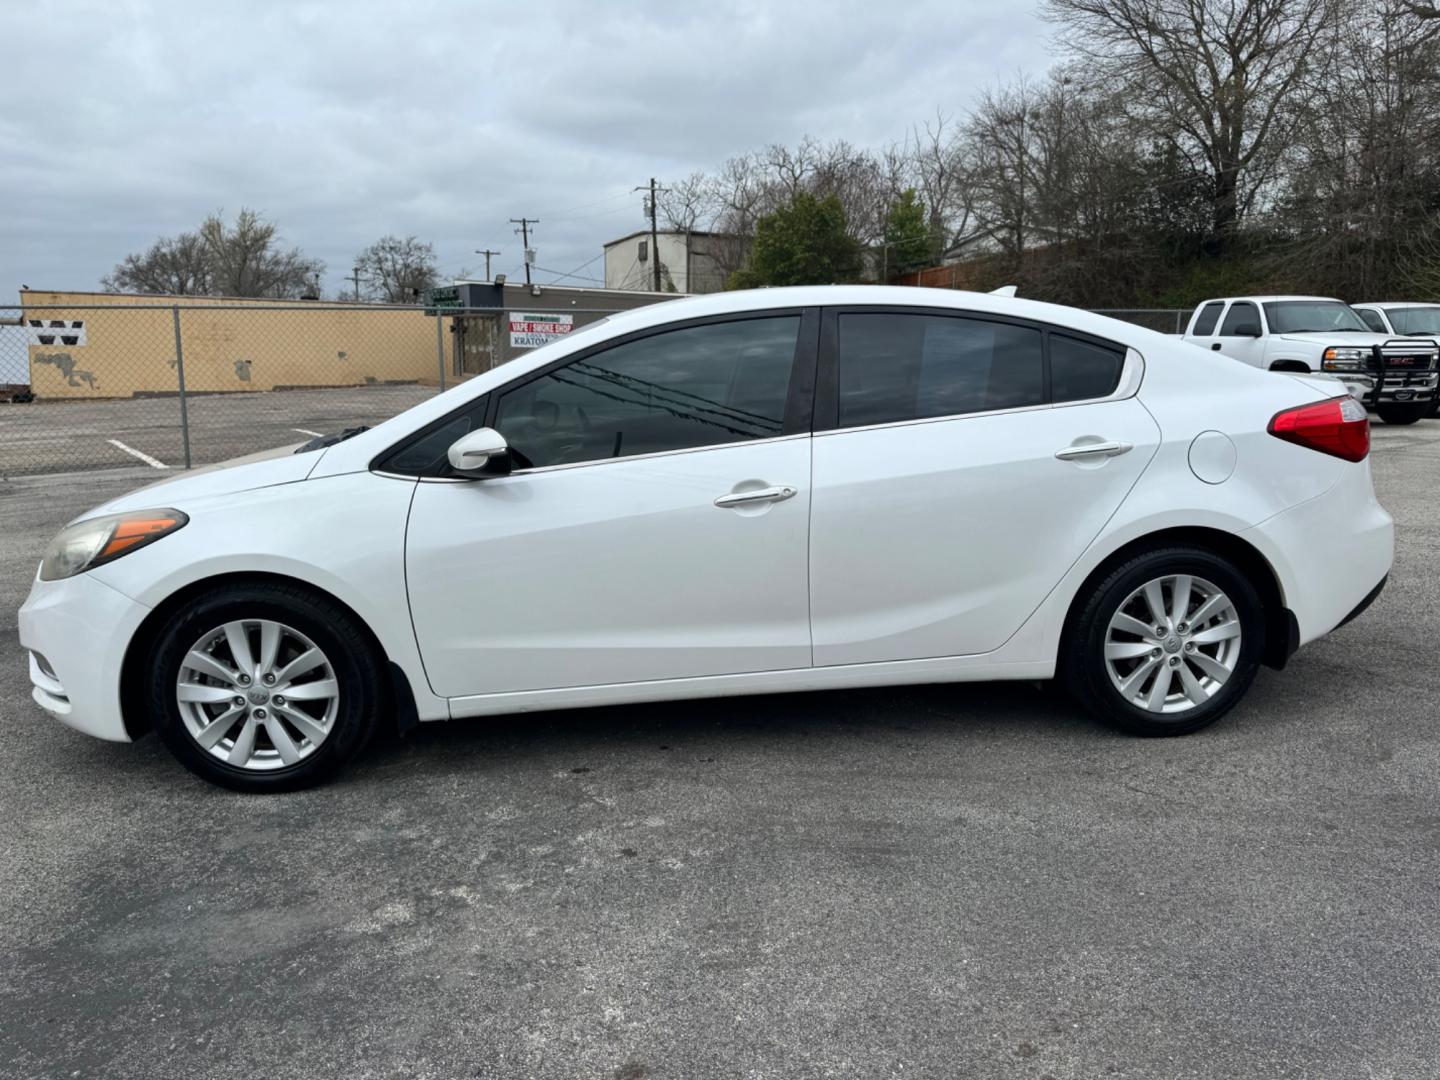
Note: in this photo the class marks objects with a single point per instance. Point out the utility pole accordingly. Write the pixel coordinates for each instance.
(524, 231)
(487, 253)
(654, 232)
(355, 273)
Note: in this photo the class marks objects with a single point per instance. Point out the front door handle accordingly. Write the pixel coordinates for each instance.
(1099, 449)
(1215, 347)
(748, 498)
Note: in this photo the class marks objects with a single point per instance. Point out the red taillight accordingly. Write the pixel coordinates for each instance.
(1338, 426)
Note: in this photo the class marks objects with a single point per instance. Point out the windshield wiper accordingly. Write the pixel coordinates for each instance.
(322, 441)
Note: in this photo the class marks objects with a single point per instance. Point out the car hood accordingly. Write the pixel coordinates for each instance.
(265, 469)
(1362, 341)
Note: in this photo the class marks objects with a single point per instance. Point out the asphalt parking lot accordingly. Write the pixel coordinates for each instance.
(967, 881)
(46, 437)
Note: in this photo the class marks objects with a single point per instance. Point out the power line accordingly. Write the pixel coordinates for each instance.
(576, 272)
(559, 276)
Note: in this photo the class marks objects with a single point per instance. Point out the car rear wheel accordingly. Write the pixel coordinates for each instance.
(1403, 414)
(264, 687)
(1166, 643)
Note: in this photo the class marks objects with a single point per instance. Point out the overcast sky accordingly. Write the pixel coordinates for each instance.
(121, 121)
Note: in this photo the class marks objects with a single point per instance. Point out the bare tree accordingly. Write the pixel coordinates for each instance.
(173, 266)
(246, 259)
(241, 259)
(1224, 81)
(1360, 199)
(396, 271)
(938, 162)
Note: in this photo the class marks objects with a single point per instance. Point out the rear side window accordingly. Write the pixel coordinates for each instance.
(1242, 320)
(1372, 320)
(1208, 317)
(895, 367)
(1080, 370)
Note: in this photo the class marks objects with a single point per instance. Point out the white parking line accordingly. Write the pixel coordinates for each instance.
(152, 462)
(306, 431)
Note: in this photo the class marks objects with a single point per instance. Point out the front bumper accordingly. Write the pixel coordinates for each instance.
(1398, 387)
(77, 631)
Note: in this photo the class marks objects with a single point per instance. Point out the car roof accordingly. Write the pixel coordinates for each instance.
(796, 296)
(1269, 299)
(1385, 305)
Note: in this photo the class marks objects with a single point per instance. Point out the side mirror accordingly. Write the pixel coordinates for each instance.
(480, 453)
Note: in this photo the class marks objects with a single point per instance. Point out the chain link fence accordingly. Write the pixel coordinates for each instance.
(1162, 320)
(174, 386)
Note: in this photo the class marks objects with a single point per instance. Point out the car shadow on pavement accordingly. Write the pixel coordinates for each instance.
(987, 711)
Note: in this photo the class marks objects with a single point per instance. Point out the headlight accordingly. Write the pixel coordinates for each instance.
(1344, 359)
(96, 541)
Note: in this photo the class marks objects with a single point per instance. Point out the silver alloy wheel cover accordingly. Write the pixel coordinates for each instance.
(1172, 644)
(257, 694)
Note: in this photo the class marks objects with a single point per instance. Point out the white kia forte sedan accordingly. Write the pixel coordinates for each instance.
(747, 493)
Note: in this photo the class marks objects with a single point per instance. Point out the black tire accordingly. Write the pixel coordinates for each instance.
(1082, 666)
(352, 655)
(1394, 413)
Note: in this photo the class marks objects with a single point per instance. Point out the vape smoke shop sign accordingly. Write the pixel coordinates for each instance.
(529, 329)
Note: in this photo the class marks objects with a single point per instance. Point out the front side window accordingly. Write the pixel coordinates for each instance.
(895, 367)
(1208, 317)
(1242, 320)
(1312, 316)
(1372, 319)
(1082, 370)
(697, 386)
(1416, 320)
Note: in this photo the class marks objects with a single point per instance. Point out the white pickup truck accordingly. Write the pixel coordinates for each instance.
(1395, 376)
(1412, 318)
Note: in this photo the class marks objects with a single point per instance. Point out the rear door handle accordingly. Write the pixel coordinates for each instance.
(1215, 347)
(748, 498)
(1099, 449)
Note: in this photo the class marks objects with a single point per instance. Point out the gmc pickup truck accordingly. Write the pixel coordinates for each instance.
(1409, 317)
(1395, 376)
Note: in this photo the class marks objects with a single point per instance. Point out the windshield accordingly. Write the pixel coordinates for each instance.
(1415, 320)
(1312, 316)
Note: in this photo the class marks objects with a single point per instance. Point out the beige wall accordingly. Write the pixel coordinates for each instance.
(130, 350)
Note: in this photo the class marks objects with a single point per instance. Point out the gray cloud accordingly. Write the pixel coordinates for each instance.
(125, 121)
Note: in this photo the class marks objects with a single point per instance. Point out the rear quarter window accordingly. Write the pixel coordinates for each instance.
(1081, 370)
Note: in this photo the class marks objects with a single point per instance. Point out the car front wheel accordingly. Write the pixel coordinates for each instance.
(264, 687)
(1166, 643)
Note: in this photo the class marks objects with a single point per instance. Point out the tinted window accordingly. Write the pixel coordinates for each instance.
(1312, 316)
(1080, 370)
(700, 386)
(902, 367)
(1372, 320)
(1209, 316)
(1416, 320)
(1241, 319)
(426, 456)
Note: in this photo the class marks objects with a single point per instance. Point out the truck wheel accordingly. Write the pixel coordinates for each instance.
(1409, 413)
